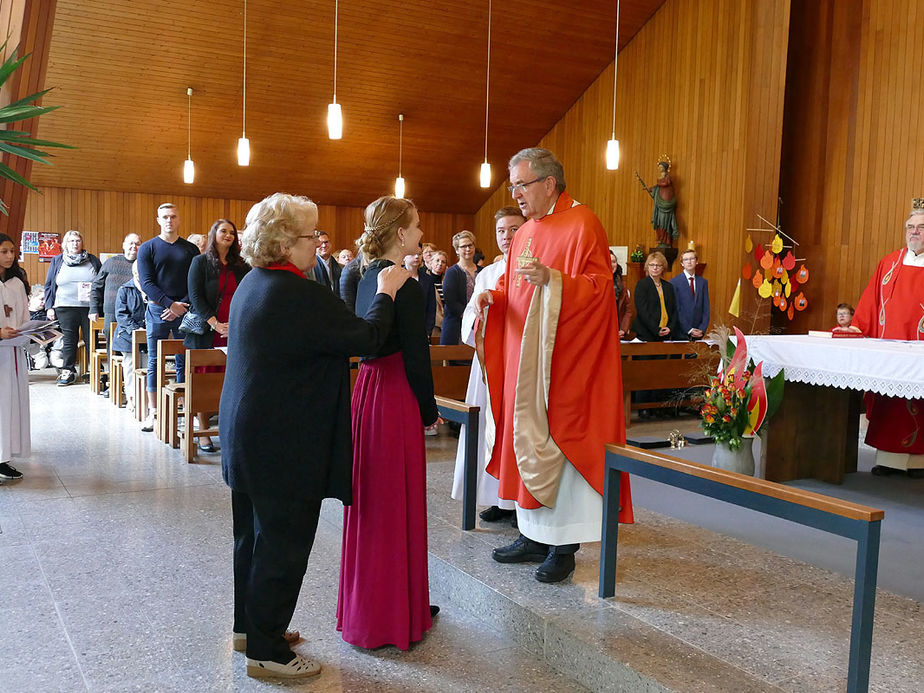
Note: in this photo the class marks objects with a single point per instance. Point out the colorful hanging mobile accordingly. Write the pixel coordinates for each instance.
(775, 275)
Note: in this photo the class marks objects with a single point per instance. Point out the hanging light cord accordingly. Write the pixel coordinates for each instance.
(336, 17)
(615, 60)
(189, 123)
(244, 110)
(487, 87)
(400, 140)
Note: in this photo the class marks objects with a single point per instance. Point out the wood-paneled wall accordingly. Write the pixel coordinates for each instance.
(104, 217)
(854, 146)
(702, 82)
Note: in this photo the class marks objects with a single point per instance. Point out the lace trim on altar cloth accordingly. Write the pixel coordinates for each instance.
(848, 381)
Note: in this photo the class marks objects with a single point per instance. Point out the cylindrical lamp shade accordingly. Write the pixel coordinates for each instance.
(612, 155)
(334, 121)
(399, 187)
(189, 172)
(486, 175)
(243, 152)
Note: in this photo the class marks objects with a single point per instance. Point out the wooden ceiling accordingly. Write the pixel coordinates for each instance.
(120, 71)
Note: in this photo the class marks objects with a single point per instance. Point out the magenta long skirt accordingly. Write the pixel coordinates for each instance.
(384, 596)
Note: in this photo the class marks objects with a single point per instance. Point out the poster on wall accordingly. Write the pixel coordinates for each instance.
(29, 243)
(49, 245)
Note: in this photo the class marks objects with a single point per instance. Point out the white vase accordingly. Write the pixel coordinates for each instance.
(740, 460)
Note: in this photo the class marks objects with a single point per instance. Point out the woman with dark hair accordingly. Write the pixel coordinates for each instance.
(14, 367)
(384, 587)
(623, 299)
(213, 277)
(67, 298)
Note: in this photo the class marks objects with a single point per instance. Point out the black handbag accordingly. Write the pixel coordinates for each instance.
(194, 324)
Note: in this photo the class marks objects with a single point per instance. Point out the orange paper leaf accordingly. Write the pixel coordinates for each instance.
(747, 271)
(789, 261)
(758, 279)
(803, 274)
(790, 313)
(783, 303)
(767, 260)
(801, 302)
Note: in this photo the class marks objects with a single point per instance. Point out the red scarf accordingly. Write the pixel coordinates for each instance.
(286, 267)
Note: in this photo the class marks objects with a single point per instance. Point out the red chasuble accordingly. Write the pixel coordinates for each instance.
(584, 397)
(892, 307)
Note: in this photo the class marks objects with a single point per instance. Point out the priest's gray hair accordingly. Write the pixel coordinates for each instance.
(541, 162)
(274, 225)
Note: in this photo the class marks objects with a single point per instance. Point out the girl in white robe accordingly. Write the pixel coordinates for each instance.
(14, 367)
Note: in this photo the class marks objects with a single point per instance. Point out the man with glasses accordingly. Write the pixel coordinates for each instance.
(892, 307)
(551, 352)
(692, 294)
(327, 270)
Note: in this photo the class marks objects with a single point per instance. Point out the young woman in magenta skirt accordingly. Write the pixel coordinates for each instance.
(384, 596)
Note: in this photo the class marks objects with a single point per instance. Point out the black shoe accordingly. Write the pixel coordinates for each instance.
(916, 473)
(495, 514)
(556, 567)
(208, 447)
(879, 470)
(434, 610)
(8, 471)
(523, 550)
(66, 378)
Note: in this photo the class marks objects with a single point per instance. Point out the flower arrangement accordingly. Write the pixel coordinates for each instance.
(638, 255)
(739, 400)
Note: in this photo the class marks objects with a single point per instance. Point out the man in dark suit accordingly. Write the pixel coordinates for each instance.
(692, 294)
(327, 269)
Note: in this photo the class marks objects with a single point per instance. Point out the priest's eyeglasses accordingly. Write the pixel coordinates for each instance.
(912, 227)
(522, 186)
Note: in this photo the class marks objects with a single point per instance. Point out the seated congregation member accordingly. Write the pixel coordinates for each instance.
(412, 263)
(623, 299)
(130, 305)
(384, 594)
(67, 298)
(891, 307)
(15, 434)
(458, 285)
(213, 277)
(655, 304)
(285, 419)
(692, 295)
(507, 220)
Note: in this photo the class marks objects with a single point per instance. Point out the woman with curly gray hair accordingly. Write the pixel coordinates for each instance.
(285, 420)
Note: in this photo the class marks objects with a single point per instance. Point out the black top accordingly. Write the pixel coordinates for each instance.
(349, 280)
(455, 298)
(203, 286)
(163, 269)
(285, 406)
(129, 315)
(322, 274)
(408, 335)
(648, 311)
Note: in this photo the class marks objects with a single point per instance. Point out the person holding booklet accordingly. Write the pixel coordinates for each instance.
(15, 436)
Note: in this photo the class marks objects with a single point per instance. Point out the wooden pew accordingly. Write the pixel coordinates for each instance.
(98, 348)
(116, 380)
(139, 384)
(833, 515)
(167, 351)
(451, 365)
(697, 360)
(203, 394)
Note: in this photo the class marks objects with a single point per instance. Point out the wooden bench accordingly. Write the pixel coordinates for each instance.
(139, 385)
(697, 360)
(451, 365)
(116, 379)
(98, 349)
(202, 394)
(167, 351)
(833, 515)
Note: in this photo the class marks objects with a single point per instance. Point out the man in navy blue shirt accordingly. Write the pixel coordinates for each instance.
(163, 269)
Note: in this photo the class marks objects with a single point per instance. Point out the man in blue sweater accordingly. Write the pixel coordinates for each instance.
(163, 268)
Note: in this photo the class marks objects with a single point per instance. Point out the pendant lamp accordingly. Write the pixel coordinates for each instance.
(334, 113)
(485, 174)
(243, 144)
(399, 181)
(612, 147)
(189, 168)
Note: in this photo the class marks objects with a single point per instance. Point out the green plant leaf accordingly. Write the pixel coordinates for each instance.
(774, 394)
(7, 172)
(28, 99)
(25, 152)
(10, 66)
(12, 115)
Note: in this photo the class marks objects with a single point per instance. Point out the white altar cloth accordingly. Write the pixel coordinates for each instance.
(887, 367)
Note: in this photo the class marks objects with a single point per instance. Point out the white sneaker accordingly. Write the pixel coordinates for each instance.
(298, 668)
(431, 430)
(148, 424)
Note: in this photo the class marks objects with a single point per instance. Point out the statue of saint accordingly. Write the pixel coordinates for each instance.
(663, 213)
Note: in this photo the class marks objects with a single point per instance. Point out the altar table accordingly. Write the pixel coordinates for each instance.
(815, 431)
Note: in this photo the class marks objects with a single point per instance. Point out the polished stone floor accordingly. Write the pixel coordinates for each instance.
(115, 567)
(115, 560)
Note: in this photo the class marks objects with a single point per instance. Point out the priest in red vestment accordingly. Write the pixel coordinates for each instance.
(892, 307)
(550, 339)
